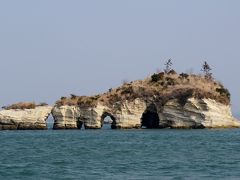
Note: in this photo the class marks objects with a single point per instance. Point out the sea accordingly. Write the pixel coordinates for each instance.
(120, 154)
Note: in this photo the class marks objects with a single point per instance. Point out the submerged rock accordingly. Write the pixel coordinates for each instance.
(25, 119)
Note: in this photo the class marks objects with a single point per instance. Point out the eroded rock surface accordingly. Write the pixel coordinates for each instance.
(66, 117)
(25, 119)
(196, 113)
(92, 117)
(164, 100)
(124, 115)
(128, 114)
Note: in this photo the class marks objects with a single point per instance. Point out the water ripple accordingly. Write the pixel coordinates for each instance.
(120, 154)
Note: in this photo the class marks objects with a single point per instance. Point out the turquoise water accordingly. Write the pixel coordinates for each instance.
(120, 154)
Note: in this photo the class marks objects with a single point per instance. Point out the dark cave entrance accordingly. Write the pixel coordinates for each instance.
(80, 124)
(150, 118)
(108, 121)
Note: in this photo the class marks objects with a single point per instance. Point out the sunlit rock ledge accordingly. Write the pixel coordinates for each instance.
(25, 119)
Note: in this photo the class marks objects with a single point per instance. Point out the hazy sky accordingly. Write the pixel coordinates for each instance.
(51, 48)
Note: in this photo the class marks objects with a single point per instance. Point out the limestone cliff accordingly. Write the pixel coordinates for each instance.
(66, 117)
(197, 113)
(204, 113)
(92, 117)
(166, 100)
(128, 114)
(124, 115)
(13, 119)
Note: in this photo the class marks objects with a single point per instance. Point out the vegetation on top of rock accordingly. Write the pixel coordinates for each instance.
(160, 87)
(24, 105)
(157, 77)
(183, 76)
(43, 104)
(168, 66)
(207, 70)
(21, 105)
(224, 92)
(81, 101)
(87, 101)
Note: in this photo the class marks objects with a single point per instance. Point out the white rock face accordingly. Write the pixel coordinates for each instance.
(25, 119)
(66, 117)
(128, 114)
(93, 117)
(205, 113)
(72, 117)
(217, 115)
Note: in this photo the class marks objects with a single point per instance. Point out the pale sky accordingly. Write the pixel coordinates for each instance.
(51, 48)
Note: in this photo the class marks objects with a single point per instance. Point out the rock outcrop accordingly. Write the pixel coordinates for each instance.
(128, 114)
(124, 115)
(164, 100)
(92, 117)
(73, 117)
(197, 113)
(25, 119)
(66, 117)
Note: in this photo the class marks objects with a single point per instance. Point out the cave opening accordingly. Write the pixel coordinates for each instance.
(150, 118)
(80, 124)
(108, 121)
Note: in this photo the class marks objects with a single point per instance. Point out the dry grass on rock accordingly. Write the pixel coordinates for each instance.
(21, 105)
(24, 105)
(159, 87)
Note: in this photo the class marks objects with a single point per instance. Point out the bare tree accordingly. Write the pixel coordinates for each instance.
(207, 70)
(168, 66)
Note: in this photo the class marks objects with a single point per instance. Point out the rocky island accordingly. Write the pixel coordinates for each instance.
(164, 100)
(24, 116)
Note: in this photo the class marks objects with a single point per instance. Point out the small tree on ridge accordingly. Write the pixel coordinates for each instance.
(168, 66)
(207, 70)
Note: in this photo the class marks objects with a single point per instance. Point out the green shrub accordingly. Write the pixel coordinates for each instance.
(224, 92)
(127, 90)
(63, 98)
(170, 81)
(183, 76)
(172, 72)
(73, 96)
(157, 77)
(182, 99)
(42, 104)
(162, 83)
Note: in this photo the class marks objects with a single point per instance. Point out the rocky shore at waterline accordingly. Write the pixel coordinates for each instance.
(164, 100)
